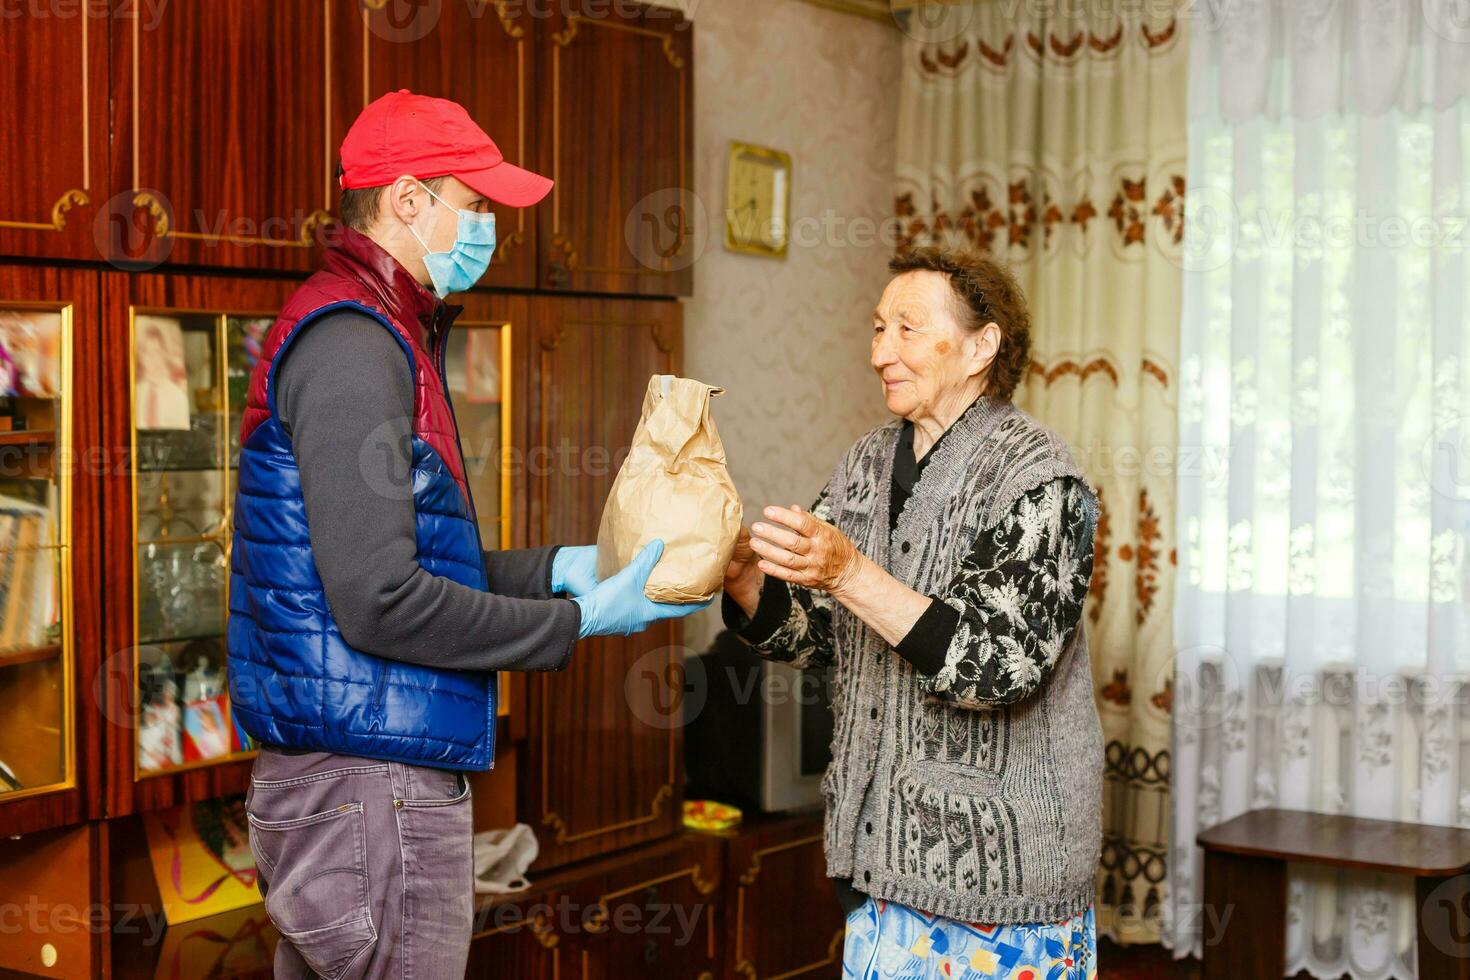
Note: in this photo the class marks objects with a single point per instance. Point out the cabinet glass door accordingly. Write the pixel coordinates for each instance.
(477, 364)
(36, 750)
(190, 370)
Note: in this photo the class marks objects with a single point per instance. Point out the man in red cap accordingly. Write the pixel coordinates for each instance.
(366, 623)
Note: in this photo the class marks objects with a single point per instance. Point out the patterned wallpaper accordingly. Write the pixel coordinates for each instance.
(788, 340)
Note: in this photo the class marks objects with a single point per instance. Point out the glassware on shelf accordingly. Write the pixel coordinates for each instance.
(181, 575)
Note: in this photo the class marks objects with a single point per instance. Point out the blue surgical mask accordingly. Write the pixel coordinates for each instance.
(467, 260)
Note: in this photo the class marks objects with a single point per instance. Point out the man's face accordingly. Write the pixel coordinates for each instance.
(440, 218)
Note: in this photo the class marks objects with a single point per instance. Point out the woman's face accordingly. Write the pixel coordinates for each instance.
(928, 362)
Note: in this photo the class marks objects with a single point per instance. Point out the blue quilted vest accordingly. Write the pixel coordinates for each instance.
(294, 682)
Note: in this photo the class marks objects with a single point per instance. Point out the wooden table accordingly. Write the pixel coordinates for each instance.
(1245, 879)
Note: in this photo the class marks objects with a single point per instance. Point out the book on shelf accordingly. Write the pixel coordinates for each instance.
(27, 575)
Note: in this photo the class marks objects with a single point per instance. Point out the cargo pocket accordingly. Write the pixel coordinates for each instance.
(318, 896)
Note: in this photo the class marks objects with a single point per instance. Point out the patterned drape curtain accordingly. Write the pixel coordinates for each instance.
(1323, 643)
(1053, 137)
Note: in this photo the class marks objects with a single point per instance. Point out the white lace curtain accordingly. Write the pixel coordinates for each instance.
(1323, 655)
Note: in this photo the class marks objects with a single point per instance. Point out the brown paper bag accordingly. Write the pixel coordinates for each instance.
(673, 487)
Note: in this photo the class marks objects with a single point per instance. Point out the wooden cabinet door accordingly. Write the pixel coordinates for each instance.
(615, 103)
(227, 117)
(655, 915)
(604, 761)
(167, 514)
(783, 919)
(480, 54)
(51, 648)
(53, 125)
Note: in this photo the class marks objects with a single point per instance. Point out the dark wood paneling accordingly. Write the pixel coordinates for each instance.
(224, 294)
(226, 118)
(656, 916)
(604, 766)
(82, 290)
(615, 104)
(1444, 927)
(1247, 896)
(53, 71)
(656, 911)
(56, 894)
(782, 917)
(479, 53)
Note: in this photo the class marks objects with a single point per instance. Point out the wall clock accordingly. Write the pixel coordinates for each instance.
(757, 199)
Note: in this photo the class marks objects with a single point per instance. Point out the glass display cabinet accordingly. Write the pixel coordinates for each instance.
(36, 676)
(189, 376)
(177, 355)
(44, 472)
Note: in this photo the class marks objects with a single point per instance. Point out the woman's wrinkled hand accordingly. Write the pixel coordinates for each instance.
(799, 548)
(742, 578)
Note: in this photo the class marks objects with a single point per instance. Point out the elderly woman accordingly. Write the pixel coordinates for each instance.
(942, 573)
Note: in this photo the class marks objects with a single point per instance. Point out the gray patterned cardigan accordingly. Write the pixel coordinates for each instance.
(975, 810)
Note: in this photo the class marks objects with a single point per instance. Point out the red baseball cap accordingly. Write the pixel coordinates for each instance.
(402, 133)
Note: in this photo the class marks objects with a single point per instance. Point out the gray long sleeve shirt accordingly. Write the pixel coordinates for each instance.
(344, 395)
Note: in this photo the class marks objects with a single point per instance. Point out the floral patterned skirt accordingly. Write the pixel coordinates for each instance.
(887, 941)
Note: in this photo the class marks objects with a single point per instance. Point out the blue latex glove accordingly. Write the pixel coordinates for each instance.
(574, 570)
(618, 607)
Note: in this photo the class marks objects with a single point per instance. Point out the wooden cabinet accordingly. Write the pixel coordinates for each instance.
(604, 768)
(615, 108)
(480, 54)
(57, 903)
(226, 121)
(198, 133)
(51, 650)
(782, 917)
(53, 71)
(655, 911)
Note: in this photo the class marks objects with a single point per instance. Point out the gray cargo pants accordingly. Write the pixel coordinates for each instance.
(366, 866)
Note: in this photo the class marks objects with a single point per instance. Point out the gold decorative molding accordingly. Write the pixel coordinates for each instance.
(880, 10)
(507, 243)
(834, 957)
(163, 228)
(743, 965)
(598, 915)
(515, 30)
(554, 820)
(67, 201)
(565, 37)
(753, 872)
(568, 34)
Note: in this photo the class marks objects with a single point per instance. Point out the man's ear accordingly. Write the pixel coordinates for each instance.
(403, 199)
(984, 345)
